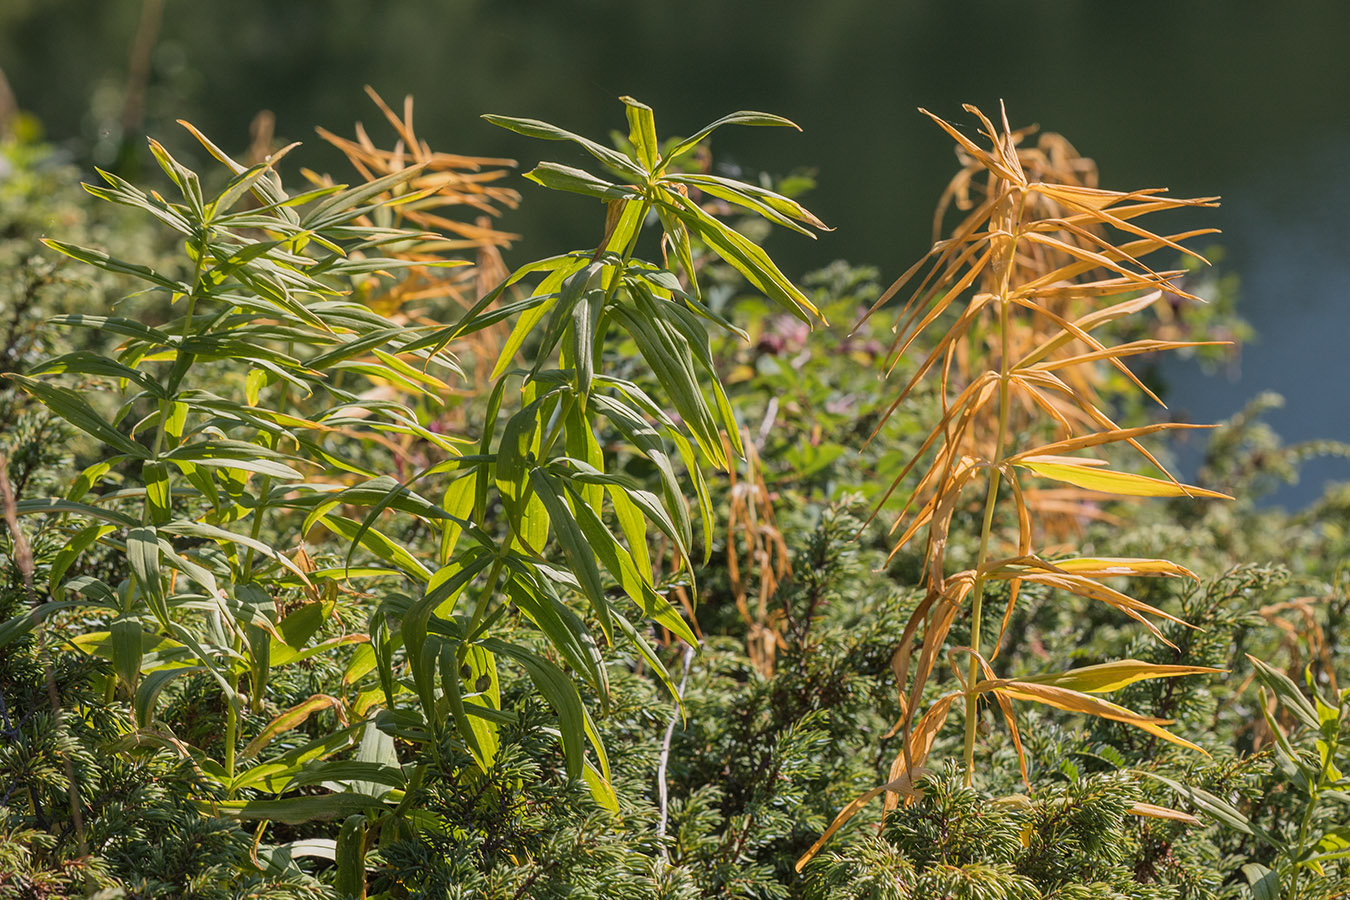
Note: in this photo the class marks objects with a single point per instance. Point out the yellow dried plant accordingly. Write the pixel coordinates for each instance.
(1024, 285)
(447, 185)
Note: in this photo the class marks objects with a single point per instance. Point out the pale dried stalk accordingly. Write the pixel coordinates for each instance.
(761, 549)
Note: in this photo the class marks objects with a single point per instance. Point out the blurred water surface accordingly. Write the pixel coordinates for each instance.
(1243, 99)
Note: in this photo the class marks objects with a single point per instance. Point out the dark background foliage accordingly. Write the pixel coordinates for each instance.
(1245, 100)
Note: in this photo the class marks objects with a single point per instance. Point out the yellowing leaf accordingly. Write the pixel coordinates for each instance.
(902, 777)
(1100, 567)
(289, 719)
(1151, 811)
(1074, 701)
(1110, 482)
(1115, 675)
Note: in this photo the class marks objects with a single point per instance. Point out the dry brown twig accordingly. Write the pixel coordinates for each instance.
(445, 186)
(447, 183)
(755, 545)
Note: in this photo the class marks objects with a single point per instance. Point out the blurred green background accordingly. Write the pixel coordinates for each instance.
(1243, 99)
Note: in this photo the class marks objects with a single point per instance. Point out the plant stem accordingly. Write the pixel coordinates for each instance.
(484, 597)
(627, 256)
(991, 498)
(1314, 796)
(231, 736)
(977, 590)
(177, 372)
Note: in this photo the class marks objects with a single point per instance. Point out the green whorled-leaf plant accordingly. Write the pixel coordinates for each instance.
(553, 481)
(253, 419)
(224, 429)
(1032, 273)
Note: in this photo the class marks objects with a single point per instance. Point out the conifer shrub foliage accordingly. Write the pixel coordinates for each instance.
(320, 616)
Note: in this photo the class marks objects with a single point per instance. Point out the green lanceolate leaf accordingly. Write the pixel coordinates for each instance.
(676, 236)
(515, 457)
(71, 551)
(562, 695)
(585, 325)
(116, 325)
(1290, 697)
(688, 326)
(550, 289)
(346, 205)
(1265, 883)
(378, 543)
(56, 506)
(559, 623)
(458, 503)
(578, 181)
(774, 207)
(83, 362)
(672, 364)
(621, 567)
(226, 538)
(480, 688)
(184, 178)
(71, 406)
(743, 255)
(143, 558)
(15, 628)
(644, 437)
(158, 496)
(642, 132)
(580, 554)
(581, 443)
(295, 810)
(630, 502)
(575, 287)
(442, 590)
(743, 117)
(287, 720)
(612, 159)
(151, 686)
(111, 264)
(649, 656)
(1220, 809)
(687, 456)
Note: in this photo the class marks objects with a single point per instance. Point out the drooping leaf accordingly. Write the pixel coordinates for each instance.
(1112, 676)
(742, 117)
(1110, 482)
(71, 406)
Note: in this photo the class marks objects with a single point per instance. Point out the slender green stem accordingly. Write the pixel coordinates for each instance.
(484, 598)
(231, 736)
(177, 371)
(255, 528)
(991, 499)
(265, 485)
(627, 255)
(986, 529)
(1314, 796)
